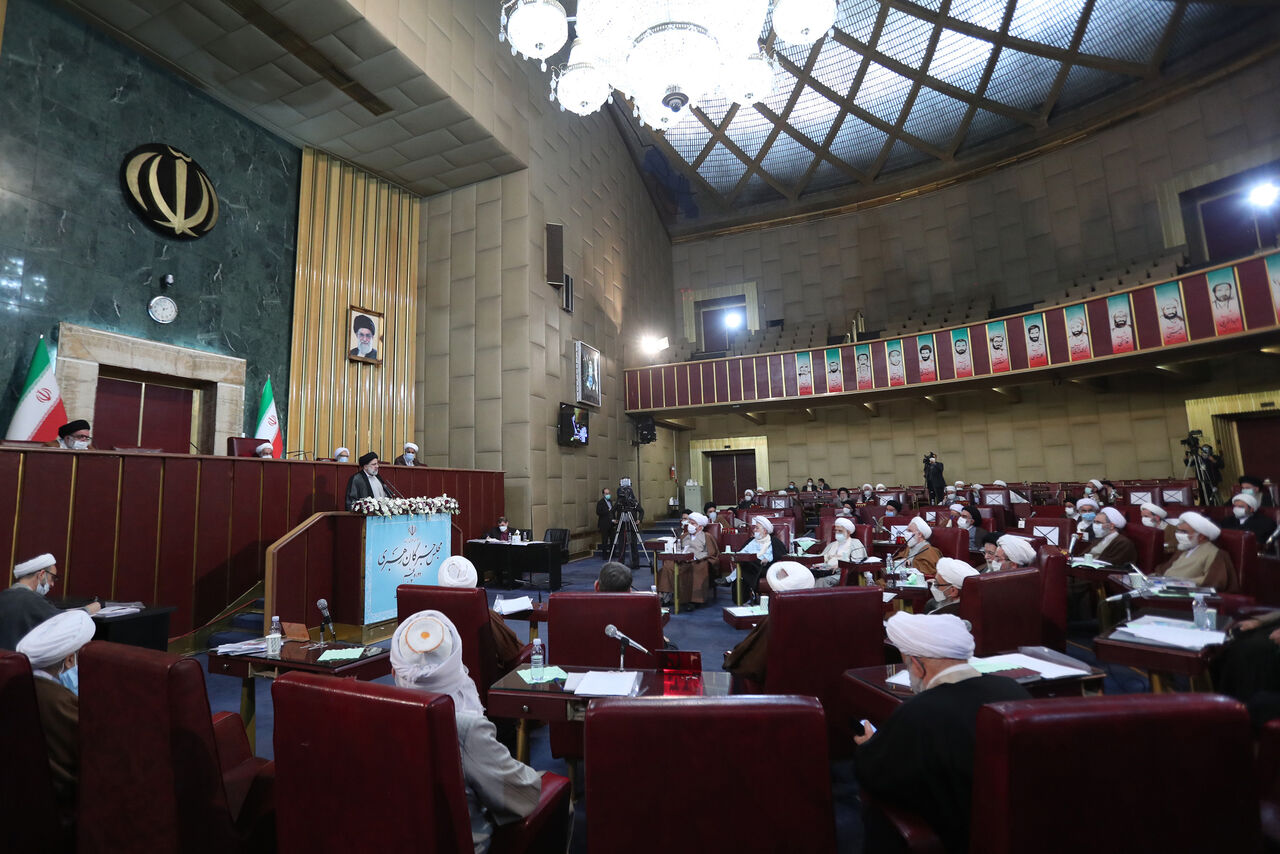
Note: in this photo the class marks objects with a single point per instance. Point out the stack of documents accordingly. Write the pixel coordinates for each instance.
(604, 683)
(1092, 563)
(1181, 634)
(1009, 661)
(747, 610)
(513, 606)
(119, 609)
(256, 646)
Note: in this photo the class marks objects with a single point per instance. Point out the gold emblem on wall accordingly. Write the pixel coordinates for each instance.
(170, 191)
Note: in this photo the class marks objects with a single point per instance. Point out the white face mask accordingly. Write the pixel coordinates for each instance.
(1184, 541)
(408, 456)
(840, 536)
(344, 458)
(994, 564)
(938, 595)
(691, 528)
(1071, 512)
(963, 523)
(1150, 522)
(502, 527)
(761, 535)
(80, 444)
(1240, 512)
(44, 587)
(1097, 529)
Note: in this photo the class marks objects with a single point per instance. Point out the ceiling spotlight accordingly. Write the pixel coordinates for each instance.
(1264, 195)
(732, 320)
(652, 345)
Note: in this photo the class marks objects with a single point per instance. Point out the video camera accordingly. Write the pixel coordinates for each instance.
(928, 457)
(1192, 442)
(627, 496)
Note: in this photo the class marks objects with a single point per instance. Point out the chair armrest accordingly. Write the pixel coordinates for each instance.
(232, 742)
(544, 829)
(526, 654)
(917, 836)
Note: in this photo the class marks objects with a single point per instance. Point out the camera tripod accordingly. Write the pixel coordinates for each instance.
(1208, 492)
(627, 529)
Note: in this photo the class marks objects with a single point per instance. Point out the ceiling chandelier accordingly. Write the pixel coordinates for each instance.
(666, 56)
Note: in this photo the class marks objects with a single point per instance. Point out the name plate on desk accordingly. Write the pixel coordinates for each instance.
(400, 550)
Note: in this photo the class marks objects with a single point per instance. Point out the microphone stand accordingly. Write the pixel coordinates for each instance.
(622, 653)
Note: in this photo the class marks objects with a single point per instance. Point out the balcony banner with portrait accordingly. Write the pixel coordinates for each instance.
(406, 549)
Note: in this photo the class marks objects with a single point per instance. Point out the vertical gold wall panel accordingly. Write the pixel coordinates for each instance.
(1207, 413)
(357, 245)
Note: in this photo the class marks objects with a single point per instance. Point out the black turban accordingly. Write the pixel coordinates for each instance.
(362, 321)
(365, 459)
(72, 427)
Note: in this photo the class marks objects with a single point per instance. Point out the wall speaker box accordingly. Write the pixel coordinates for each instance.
(555, 254)
(646, 430)
(566, 294)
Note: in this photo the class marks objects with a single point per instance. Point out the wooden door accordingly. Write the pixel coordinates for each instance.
(1259, 450)
(731, 473)
(135, 414)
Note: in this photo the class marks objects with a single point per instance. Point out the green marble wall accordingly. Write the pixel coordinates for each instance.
(73, 102)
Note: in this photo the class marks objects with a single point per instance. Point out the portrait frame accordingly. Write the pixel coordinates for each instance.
(835, 379)
(999, 357)
(1037, 351)
(1228, 319)
(928, 368)
(962, 363)
(1122, 341)
(587, 373)
(1173, 330)
(357, 314)
(865, 377)
(1082, 349)
(897, 373)
(804, 373)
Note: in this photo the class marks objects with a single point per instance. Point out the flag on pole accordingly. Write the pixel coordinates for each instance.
(269, 422)
(40, 411)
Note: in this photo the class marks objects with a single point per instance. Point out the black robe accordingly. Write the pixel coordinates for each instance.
(21, 610)
(922, 757)
(1260, 523)
(358, 487)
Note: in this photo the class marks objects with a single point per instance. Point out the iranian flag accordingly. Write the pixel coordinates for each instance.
(269, 422)
(40, 411)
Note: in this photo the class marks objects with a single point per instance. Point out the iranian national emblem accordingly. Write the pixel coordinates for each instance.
(170, 191)
(44, 395)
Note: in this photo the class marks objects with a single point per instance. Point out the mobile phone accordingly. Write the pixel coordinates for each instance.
(868, 725)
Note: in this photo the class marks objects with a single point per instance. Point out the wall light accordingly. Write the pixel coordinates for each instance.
(652, 345)
(1264, 195)
(732, 320)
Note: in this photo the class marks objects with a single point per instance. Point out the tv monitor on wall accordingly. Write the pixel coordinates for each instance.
(574, 425)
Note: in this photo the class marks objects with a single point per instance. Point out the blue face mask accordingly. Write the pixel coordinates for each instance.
(71, 679)
(1088, 515)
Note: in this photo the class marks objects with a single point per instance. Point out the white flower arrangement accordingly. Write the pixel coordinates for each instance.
(418, 505)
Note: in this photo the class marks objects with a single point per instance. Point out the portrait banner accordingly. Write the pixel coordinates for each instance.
(862, 357)
(1224, 301)
(960, 348)
(1172, 313)
(1273, 280)
(897, 367)
(1078, 333)
(804, 372)
(1120, 318)
(998, 347)
(1037, 341)
(927, 358)
(835, 373)
(400, 550)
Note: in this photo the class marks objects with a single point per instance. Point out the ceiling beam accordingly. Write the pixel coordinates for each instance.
(1064, 70)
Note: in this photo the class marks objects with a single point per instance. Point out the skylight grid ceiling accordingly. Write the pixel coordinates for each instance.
(903, 85)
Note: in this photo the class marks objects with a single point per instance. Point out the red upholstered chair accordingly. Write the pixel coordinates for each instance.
(1242, 548)
(826, 526)
(408, 740)
(1029, 747)
(622, 755)
(27, 810)
(1149, 542)
(1004, 610)
(157, 771)
(468, 610)
(1052, 564)
(575, 628)
(241, 447)
(952, 542)
(814, 637)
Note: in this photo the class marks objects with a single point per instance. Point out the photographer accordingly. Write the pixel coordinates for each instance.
(933, 479)
(1205, 463)
(627, 503)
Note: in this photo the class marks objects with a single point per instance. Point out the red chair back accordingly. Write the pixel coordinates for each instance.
(1004, 610)
(241, 447)
(620, 756)
(576, 623)
(150, 777)
(1026, 748)
(1242, 548)
(1056, 531)
(826, 526)
(863, 533)
(814, 637)
(1149, 543)
(952, 542)
(368, 731)
(1053, 597)
(468, 610)
(27, 810)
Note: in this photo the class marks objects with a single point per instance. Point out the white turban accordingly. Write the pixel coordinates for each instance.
(1115, 516)
(1095, 483)
(956, 507)
(954, 572)
(56, 638)
(789, 575)
(1017, 549)
(845, 523)
(426, 654)
(879, 486)
(921, 527)
(265, 446)
(409, 446)
(977, 486)
(1251, 500)
(1087, 502)
(763, 523)
(1000, 483)
(1200, 524)
(959, 484)
(457, 571)
(340, 451)
(866, 486)
(930, 635)
(1155, 510)
(36, 564)
(748, 494)
(698, 519)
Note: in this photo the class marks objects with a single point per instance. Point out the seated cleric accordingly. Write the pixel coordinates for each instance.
(457, 571)
(25, 605)
(426, 655)
(74, 436)
(922, 756)
(366, 483)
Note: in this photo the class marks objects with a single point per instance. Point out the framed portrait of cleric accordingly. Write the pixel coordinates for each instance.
(587, 373)
(998, 347)
(1078, 346)
(897, 367)
(835, 371)
(1224, 301)
(862, 358)
(960, 355)
(1037, 341)
(364, 335)
(926, 358)
(804, 372)
(1172, 313)
(1120, 322)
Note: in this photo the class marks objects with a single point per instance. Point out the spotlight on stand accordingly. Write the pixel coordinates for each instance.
(1264, 195)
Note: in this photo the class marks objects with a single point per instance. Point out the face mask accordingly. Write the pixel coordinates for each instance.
(1071, 512)
(1150, 522)
(1248, 490)
(71, 679)
(691, 528)
(606, 496)
(840, 536)
(1088, 490)
(502, 527)
(890, 513)
(1184, 541)
(761, 535)
(1097, 530)
(44, 587)
(408, 456)
(938, 595)
(994, 564)
(1089, 516)
(80, 444)
(963, 523)
(344, 458)
(1240, 512)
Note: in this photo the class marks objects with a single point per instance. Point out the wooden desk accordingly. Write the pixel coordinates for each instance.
(741, 623)
(148, 628)
(294, 655)
(675, 559)
(1161, 662)
(508, 562)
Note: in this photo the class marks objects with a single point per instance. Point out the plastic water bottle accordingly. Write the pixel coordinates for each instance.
(275, 638)
(535, 660)
(1199, 612)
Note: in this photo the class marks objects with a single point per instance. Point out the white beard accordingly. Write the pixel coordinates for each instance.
(363, 349)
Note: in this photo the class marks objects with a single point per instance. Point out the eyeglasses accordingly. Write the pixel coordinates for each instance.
(52, 575)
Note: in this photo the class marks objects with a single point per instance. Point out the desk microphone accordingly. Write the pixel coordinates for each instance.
(393, 487)
(326, 620)
(612, 631)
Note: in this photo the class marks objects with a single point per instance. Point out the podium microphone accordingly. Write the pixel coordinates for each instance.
(393, 487)
(325, 619)
(612, 631)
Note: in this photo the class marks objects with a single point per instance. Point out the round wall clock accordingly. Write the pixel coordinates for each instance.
(163, 309)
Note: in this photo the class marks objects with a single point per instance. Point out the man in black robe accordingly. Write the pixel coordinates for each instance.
(366, 483)
(921, 758)
(26, 605)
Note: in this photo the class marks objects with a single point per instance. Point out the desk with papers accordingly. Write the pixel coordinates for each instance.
(1165, 646)
(508, 563)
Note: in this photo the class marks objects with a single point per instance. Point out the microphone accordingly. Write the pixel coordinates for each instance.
(326, 620)
(299, 454)
(393, 487)
(1071, 546)
(612, 631)
(1271, 539)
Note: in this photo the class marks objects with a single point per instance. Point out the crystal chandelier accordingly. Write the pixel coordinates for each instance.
(667, 56)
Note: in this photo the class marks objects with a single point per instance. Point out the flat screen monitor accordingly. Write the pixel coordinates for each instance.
(574, 425)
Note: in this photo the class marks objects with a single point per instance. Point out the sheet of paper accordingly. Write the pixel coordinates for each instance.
(117, 611)
(549, 674)
(249, 647)
(888, 597)
(1049, 532)
(1192, 639)
(1015, 660)
(902, 678)
(747, 610)
(571, 681)
(1168, 622)
(1171, 496)
(1139, 497)
(896, 531)
(803, 543)
(347, 654)
(513, 606)
(608, 683)
(873, 559)
(1092, 563)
